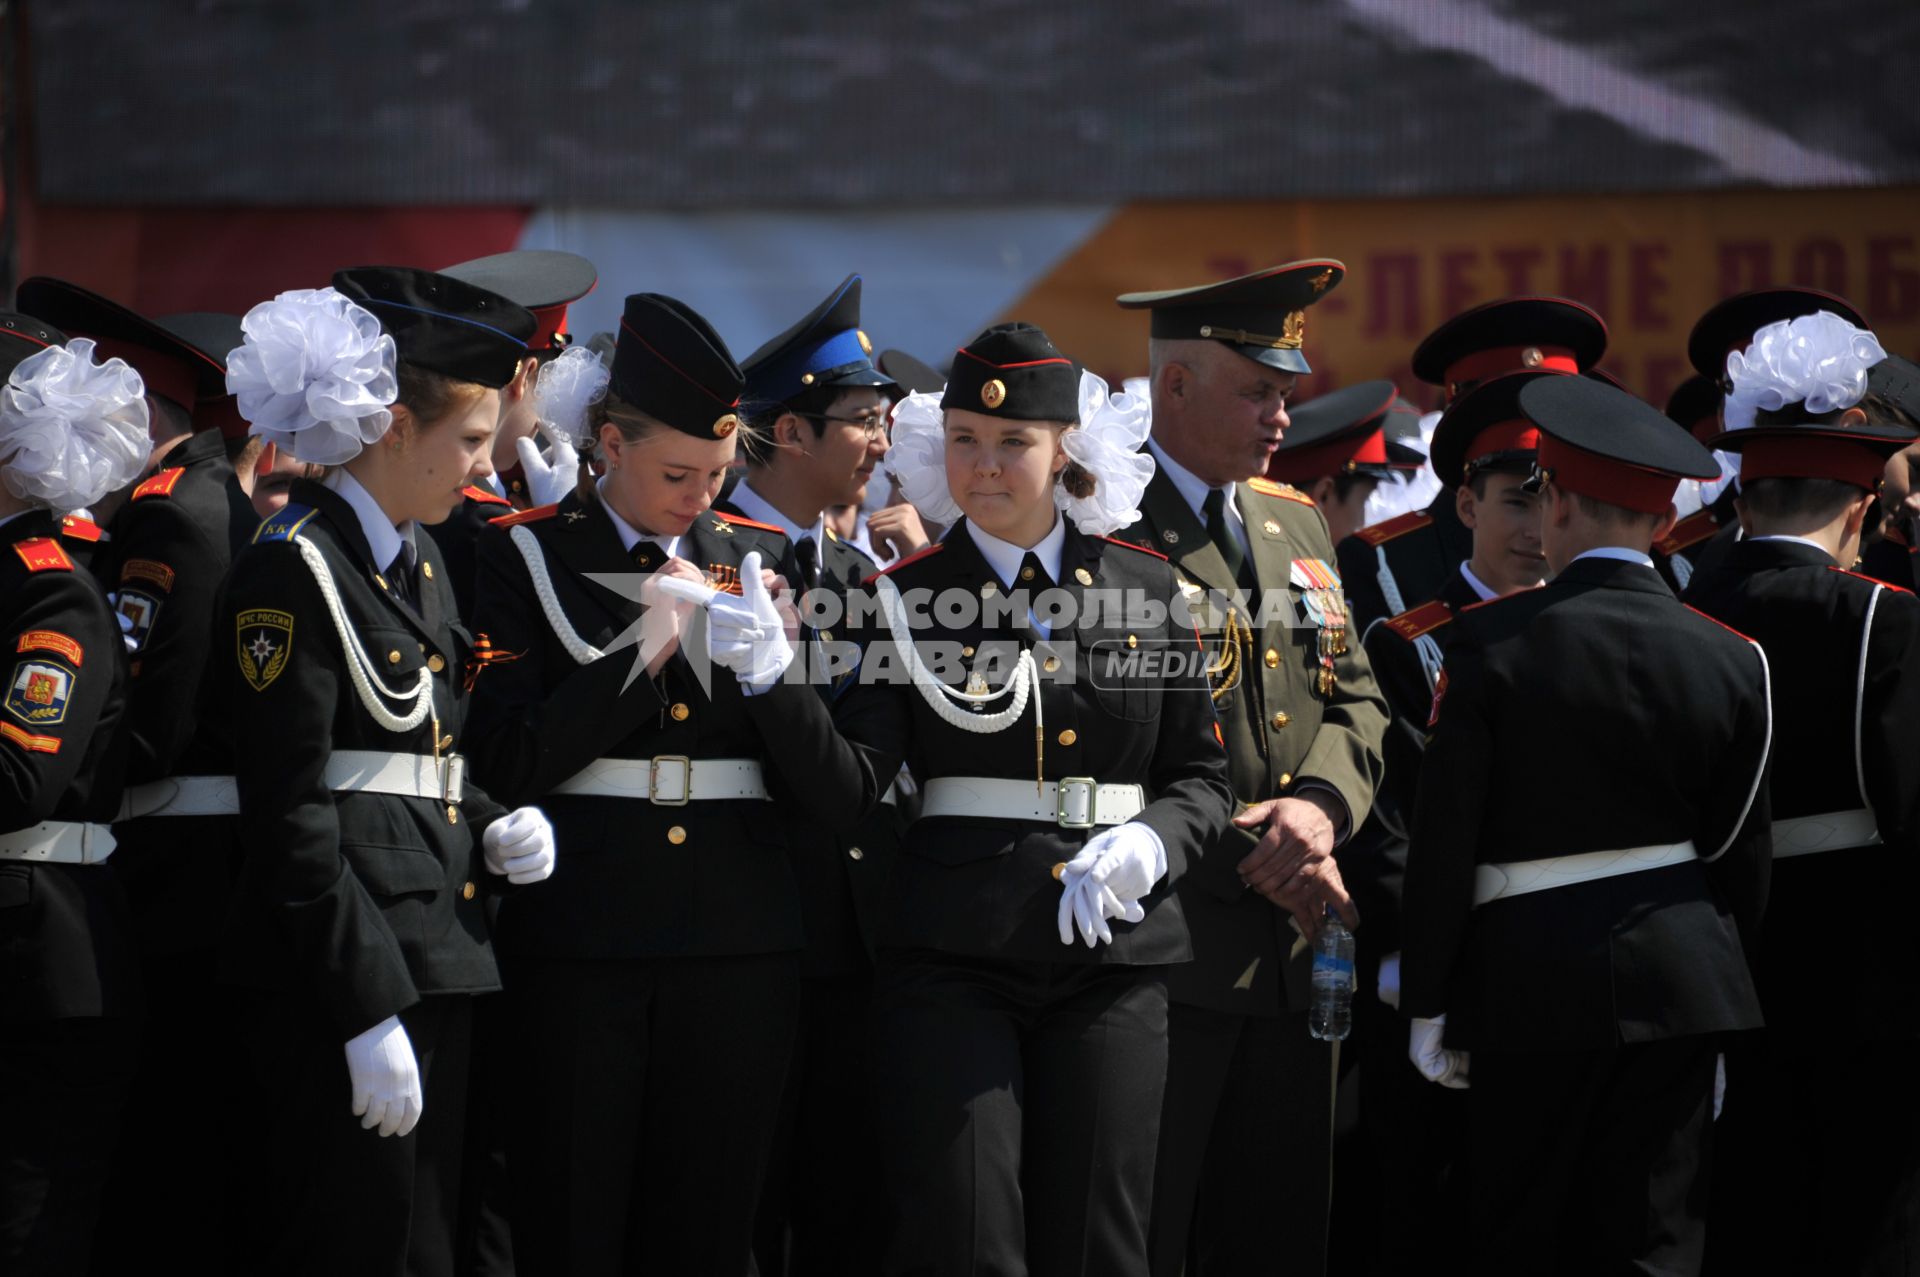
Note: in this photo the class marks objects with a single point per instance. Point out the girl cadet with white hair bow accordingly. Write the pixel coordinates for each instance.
(71, 430)
(1044, 685)
(360, 914)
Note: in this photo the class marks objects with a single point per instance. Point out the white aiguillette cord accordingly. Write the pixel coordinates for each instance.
(359, 666)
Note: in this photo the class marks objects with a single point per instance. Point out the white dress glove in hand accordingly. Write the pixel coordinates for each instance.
(1435, 1062)
(1389, 986)
(519, 845)
(548, 480)
(746, 634)
(1115, 869)
(386, 1079)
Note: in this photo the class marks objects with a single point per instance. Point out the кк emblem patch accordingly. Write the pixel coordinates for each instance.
(265, 641)
(37, 692)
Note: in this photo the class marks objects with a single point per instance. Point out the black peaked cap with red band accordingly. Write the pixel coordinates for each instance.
(669, 363)
(1485, 429)
(1014, 371)
(1730, 325)
(1515, 334)
(443, 324)
(22, 337)
(1606, 444)
(219, 335)
(172, 368)
(544, 280)
(1341, 432)
(1262, 316)
(1897, 381)
(1855, 455)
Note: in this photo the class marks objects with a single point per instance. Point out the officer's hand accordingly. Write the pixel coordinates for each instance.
(548, 480)
(520, 845)
(385, 1078)
(1297, 831)
(1426, 1048)
(897, 531)
(1308, 895)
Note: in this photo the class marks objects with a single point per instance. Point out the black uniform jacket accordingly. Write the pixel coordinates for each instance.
(459, 541)
(1418, 550)
(642, 879)
(64, 942)
(1890, 559)
(1702, 540)
(362, 901)
(1282, 731)
(1845, 654)
(1374, 866)
(166, 561)
(984, 886)
(1596, 713)
(843, 880)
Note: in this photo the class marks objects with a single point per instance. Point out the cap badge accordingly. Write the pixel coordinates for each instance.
(1320, 281)
(726, 426)
(806, 379)
(1294, 331)
(1170, 536)
(866, 343)
(1271, 528)
(1531, 357)
(994, 393)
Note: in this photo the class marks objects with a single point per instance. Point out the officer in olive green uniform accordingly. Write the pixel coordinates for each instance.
(1242, 1171)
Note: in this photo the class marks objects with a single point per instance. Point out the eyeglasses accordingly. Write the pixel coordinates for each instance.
(873, 425)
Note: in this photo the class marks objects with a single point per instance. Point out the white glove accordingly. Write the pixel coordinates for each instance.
(746, 634)
(1389, 986)
(519, 845)
(1115, 869)
(1435, 1062)
(386, 1080)
(548, 482)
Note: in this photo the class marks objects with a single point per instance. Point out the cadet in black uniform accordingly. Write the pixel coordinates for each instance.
(1336, 451)
(164, 562)
(653, 988)
(358, 915)
(1590, 850)
(1896, 382)
(1070, 776)
(820, 412)
(1797, 1188)
(70, 429)
(1397, 565)
(1246, 1123)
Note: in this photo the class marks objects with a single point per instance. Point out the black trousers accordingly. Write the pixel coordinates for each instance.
(1817, 1160)
(821, 1211)
(1018, 1111)
(1591, 1161)
(647, 1093)
(63, 1087)
(332, 1197)
(1243, 1180)
(484, 1242)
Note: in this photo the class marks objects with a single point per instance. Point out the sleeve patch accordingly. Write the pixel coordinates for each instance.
(43, 554)
(51, 641)
(38, 691)
(161, 485)
(141, 610)
(28, 741)
(151, 571)
(264, 639)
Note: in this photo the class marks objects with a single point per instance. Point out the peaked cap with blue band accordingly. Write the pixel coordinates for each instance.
(826, 348)
(443, 324)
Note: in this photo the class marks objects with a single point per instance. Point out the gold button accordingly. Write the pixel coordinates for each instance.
(1059, 870)
(988, 587)
(435, 664)
(1069, 736)
(393, 657)
(967, 652)
(1083, 576)
(679, 712)
(677, 835)
(426, 570)
(826, 636)
(1280, 720)
(1051, 664)
(854, 853)
(1132, 641)
(466, 892)
(1026, 574)
(1273, 659)
(1286, 778)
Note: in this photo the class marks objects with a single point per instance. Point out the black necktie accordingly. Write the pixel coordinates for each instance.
(400, 578)
(807, 550)
(1215, 508)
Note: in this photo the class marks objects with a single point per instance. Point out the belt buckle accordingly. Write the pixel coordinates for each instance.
(1075, 790)
(686, 780)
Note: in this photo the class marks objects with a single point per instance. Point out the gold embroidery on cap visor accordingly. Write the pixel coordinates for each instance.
(1293, 333)
(725, 426)
(994, 393)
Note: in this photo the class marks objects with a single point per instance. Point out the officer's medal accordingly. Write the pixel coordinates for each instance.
(1320, 594)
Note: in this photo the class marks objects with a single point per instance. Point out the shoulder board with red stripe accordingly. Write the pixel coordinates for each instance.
(1871, 580)
(745, 522)
(1500, 598)
(1722, 624)
(518, 517)
(485, 496)
(1400, 525)
(929, 552)
(43, 554)
(1131, 546)
(1285, 491)
(1689, 532)
(161, 485)
(1425, 619)
(80, 529)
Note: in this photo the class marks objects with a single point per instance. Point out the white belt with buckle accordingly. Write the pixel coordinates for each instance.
(668, 780)
(59, 842)
(1072, 802)
(370, 771)
(1521, 877)
(1804, 835)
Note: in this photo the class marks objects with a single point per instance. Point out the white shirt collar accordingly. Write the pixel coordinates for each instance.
(1192, 488)
(1475, 583)
(1004, 557)
(384, 537)
(755, 506)
(1801, 540)
(1619, 552)
(631, 536)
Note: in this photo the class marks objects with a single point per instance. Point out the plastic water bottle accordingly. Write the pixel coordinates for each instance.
(1331, 1017)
